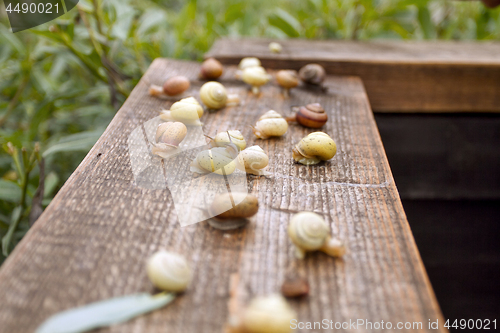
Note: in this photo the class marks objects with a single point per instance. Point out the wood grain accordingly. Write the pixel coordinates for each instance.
(91, 243)
(398, 76)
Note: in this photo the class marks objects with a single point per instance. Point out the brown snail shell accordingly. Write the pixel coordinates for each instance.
(295, 286)
(312, 116)
(312, 74)
(176, 85)
(287, 78)
(211, 69)
(231, 210)
(168, 137)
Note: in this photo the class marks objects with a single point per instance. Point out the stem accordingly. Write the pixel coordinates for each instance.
(14, 100)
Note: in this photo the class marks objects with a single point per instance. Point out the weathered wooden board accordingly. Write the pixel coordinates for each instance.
(398, 76)
(92, 242)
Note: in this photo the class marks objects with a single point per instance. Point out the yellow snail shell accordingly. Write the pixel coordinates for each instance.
(270, 124)
(217, 160)
(270, 314)
(168, 136)
(312, 74)
(287, 79)
(211, 69)
(187, 111)
(253, 160)
(314, 148)
(308, 231)
(255, 76)
(169, 271)
(223, 138)
(213, 95)
(249, 62)
(275, 47)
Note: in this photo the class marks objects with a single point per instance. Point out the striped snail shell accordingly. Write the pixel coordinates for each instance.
(312, 74)
(187, 111)
(217, 160)
(253, 160)
(314, 148)
(312, 115)
(169, 271)
(213, 95)
(270, 124)
(168, 136)
(308, 231)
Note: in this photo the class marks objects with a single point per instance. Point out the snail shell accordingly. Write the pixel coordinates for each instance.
(312, 115)
(249, 62)
(213, 95)
(187, 111)
(308, 231)
(168, 136)
(231, 210)
(252, 160)
(176, 85)
(314, 148)
(169, 271)
(217, 160)
(211, 69)
(275, 47)
(270, 124)
(312, 74)
(270, 314)
(287, 78)
(295, 286)
(234, 136)
(255, 76)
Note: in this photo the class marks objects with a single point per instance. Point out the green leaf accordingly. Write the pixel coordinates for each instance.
(424, 18)
(285, 22)
(7, 239)
(75, 142)
(9, 191)
(51, 182)
(104, 313)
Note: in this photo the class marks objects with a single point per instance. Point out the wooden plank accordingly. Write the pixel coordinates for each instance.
(398, 76)
(91, 243)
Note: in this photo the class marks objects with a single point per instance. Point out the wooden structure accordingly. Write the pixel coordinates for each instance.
(92, 242)
(398, 76)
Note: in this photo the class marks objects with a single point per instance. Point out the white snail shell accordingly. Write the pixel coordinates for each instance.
(270, 124)
(217, 160)
(223, 138)
(249, 62)
(253, 160)
(169, 271)
(187, 111)
(314, 148)
(255, 76)
(270, 314)
(168, 136)
(275, 47)
(308, 231)
(213, 95)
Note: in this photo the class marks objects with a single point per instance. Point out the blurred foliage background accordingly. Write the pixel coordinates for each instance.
(61, 83)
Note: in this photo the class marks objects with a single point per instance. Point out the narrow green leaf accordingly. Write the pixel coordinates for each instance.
(104, 313)
(9, 191)
(75, 142)
(424, 18)
(285, 22)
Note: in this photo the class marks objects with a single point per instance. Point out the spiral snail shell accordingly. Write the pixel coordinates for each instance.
(173, 86)
(232, 136)
(312, 74)
(312, 115)
(309, 232)
(249, 62)
(253, 160)
(168, 136)
(270, 124)
(187, 111)
(218, 160)
(287, 79)
(314, 148)
(265, 314)
(211, 69)
(231, 210)
(213, 95)
(255, 76)
(169, 271)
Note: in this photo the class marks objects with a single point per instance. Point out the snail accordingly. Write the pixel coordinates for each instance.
(168, 136)
(232, 210)
(309, 232)
(218, 160)
(255, 76)
(187, 111)
(211, 69)
(169, 271)
(314, 148)
(312, 115)
(233, 136)
(294, 285)
(249, 62)
(270, 124)
(253, 160)
(287, 79)
(265, 314)
(312, 74)
(173, 86)
(213, 95)
(275, 47)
